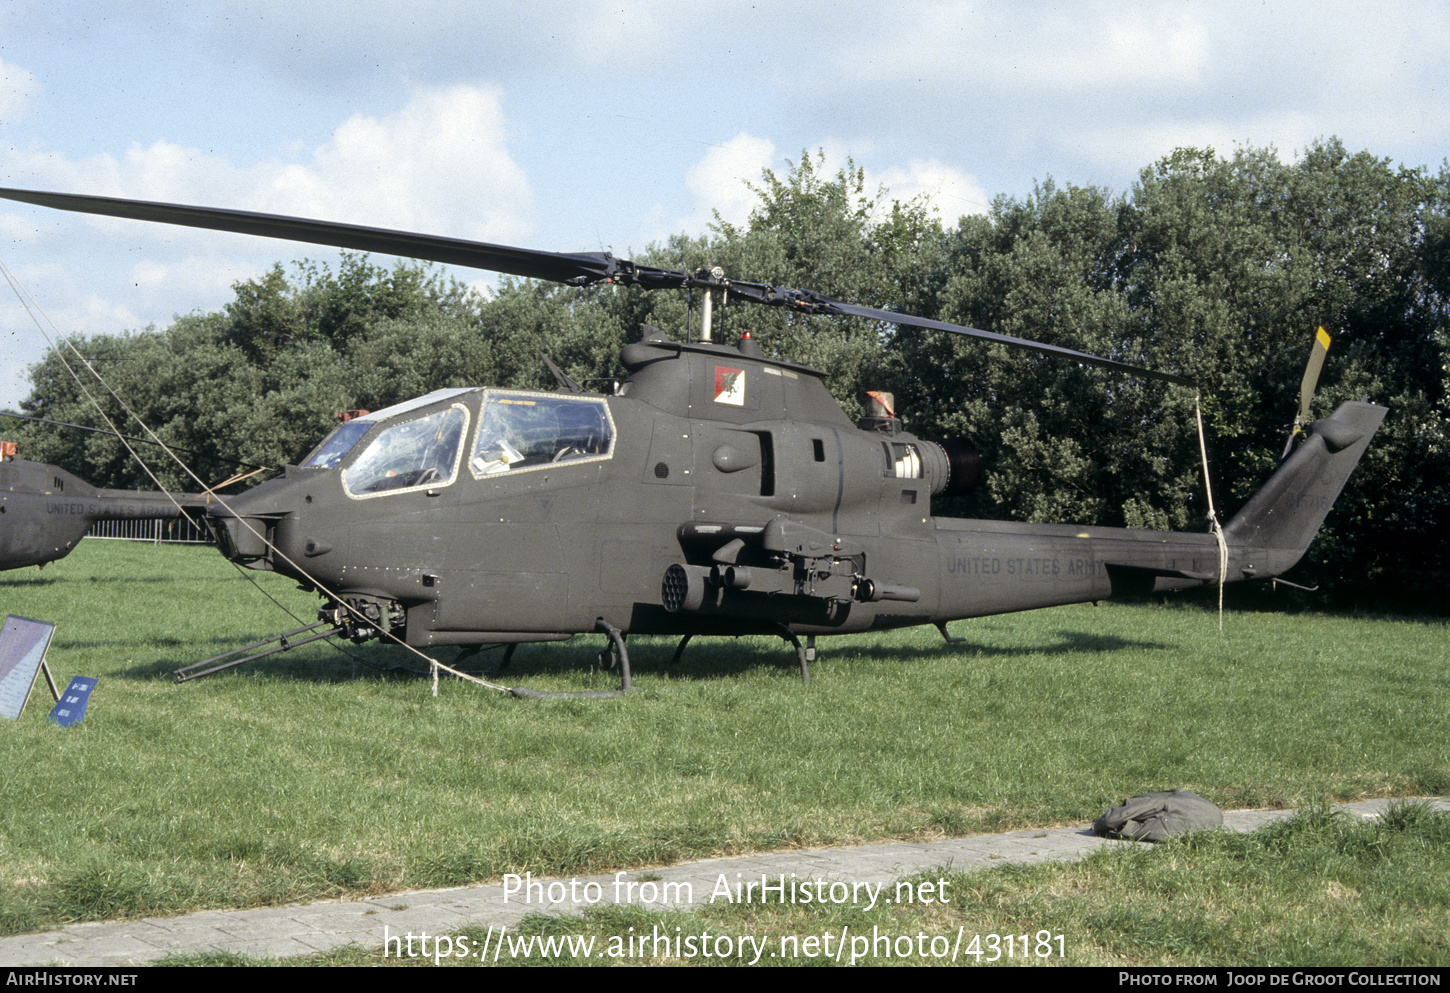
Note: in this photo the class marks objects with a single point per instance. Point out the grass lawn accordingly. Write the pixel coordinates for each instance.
(1321, 889)
(290, 779)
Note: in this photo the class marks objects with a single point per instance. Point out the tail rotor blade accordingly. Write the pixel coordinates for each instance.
(1317, 352)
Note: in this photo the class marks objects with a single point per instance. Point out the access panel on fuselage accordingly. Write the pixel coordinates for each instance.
(507, 565)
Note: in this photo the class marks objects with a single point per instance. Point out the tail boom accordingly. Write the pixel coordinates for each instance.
(46, 511)
(994, 567)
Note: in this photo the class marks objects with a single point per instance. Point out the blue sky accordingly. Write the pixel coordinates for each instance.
(590, 125)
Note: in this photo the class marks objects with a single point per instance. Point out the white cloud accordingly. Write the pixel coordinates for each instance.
(17, 86)
(718, 181)
(950, 191)
(156, 280)
(1095, 88)
(1125, 145)
(617, 35)
(439, 165)
(61, 299)
(1041, 48)
(1109, 46)
(15, 229)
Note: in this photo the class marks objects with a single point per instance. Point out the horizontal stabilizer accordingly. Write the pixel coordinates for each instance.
(1152, 571)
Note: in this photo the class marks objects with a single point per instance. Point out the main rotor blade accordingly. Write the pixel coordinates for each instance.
(813, 303)
(579, 269)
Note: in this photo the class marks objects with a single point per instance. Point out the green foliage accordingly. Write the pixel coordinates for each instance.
(1221, 269)
(271, 315)
(834, 236)
(1240, 259)
(260, 382)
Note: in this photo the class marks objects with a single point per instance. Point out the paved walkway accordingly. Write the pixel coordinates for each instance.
(308, 928)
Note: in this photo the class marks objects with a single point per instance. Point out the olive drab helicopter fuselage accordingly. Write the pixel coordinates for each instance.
(715, 491)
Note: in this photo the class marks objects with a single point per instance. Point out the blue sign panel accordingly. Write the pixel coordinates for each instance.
(72, 706)
(22, 648)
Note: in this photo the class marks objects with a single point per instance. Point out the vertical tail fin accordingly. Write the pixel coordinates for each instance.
(1285, 514)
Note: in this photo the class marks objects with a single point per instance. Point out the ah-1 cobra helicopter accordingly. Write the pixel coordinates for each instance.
(717, 492)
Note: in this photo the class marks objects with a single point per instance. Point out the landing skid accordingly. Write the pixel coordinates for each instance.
(281, 643)
(616, 653)
(804, 654)
(951, 639)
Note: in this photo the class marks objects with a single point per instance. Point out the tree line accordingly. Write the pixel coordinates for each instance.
(1216, 267)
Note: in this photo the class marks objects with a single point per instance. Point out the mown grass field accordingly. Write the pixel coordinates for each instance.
(1322, 889)
(291, 779)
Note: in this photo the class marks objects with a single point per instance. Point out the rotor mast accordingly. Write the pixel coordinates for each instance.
(713, 276)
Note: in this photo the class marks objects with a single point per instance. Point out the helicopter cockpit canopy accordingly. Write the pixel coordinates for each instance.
(422, 451)
(335, 447)
(522, 430)
(388, 451)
